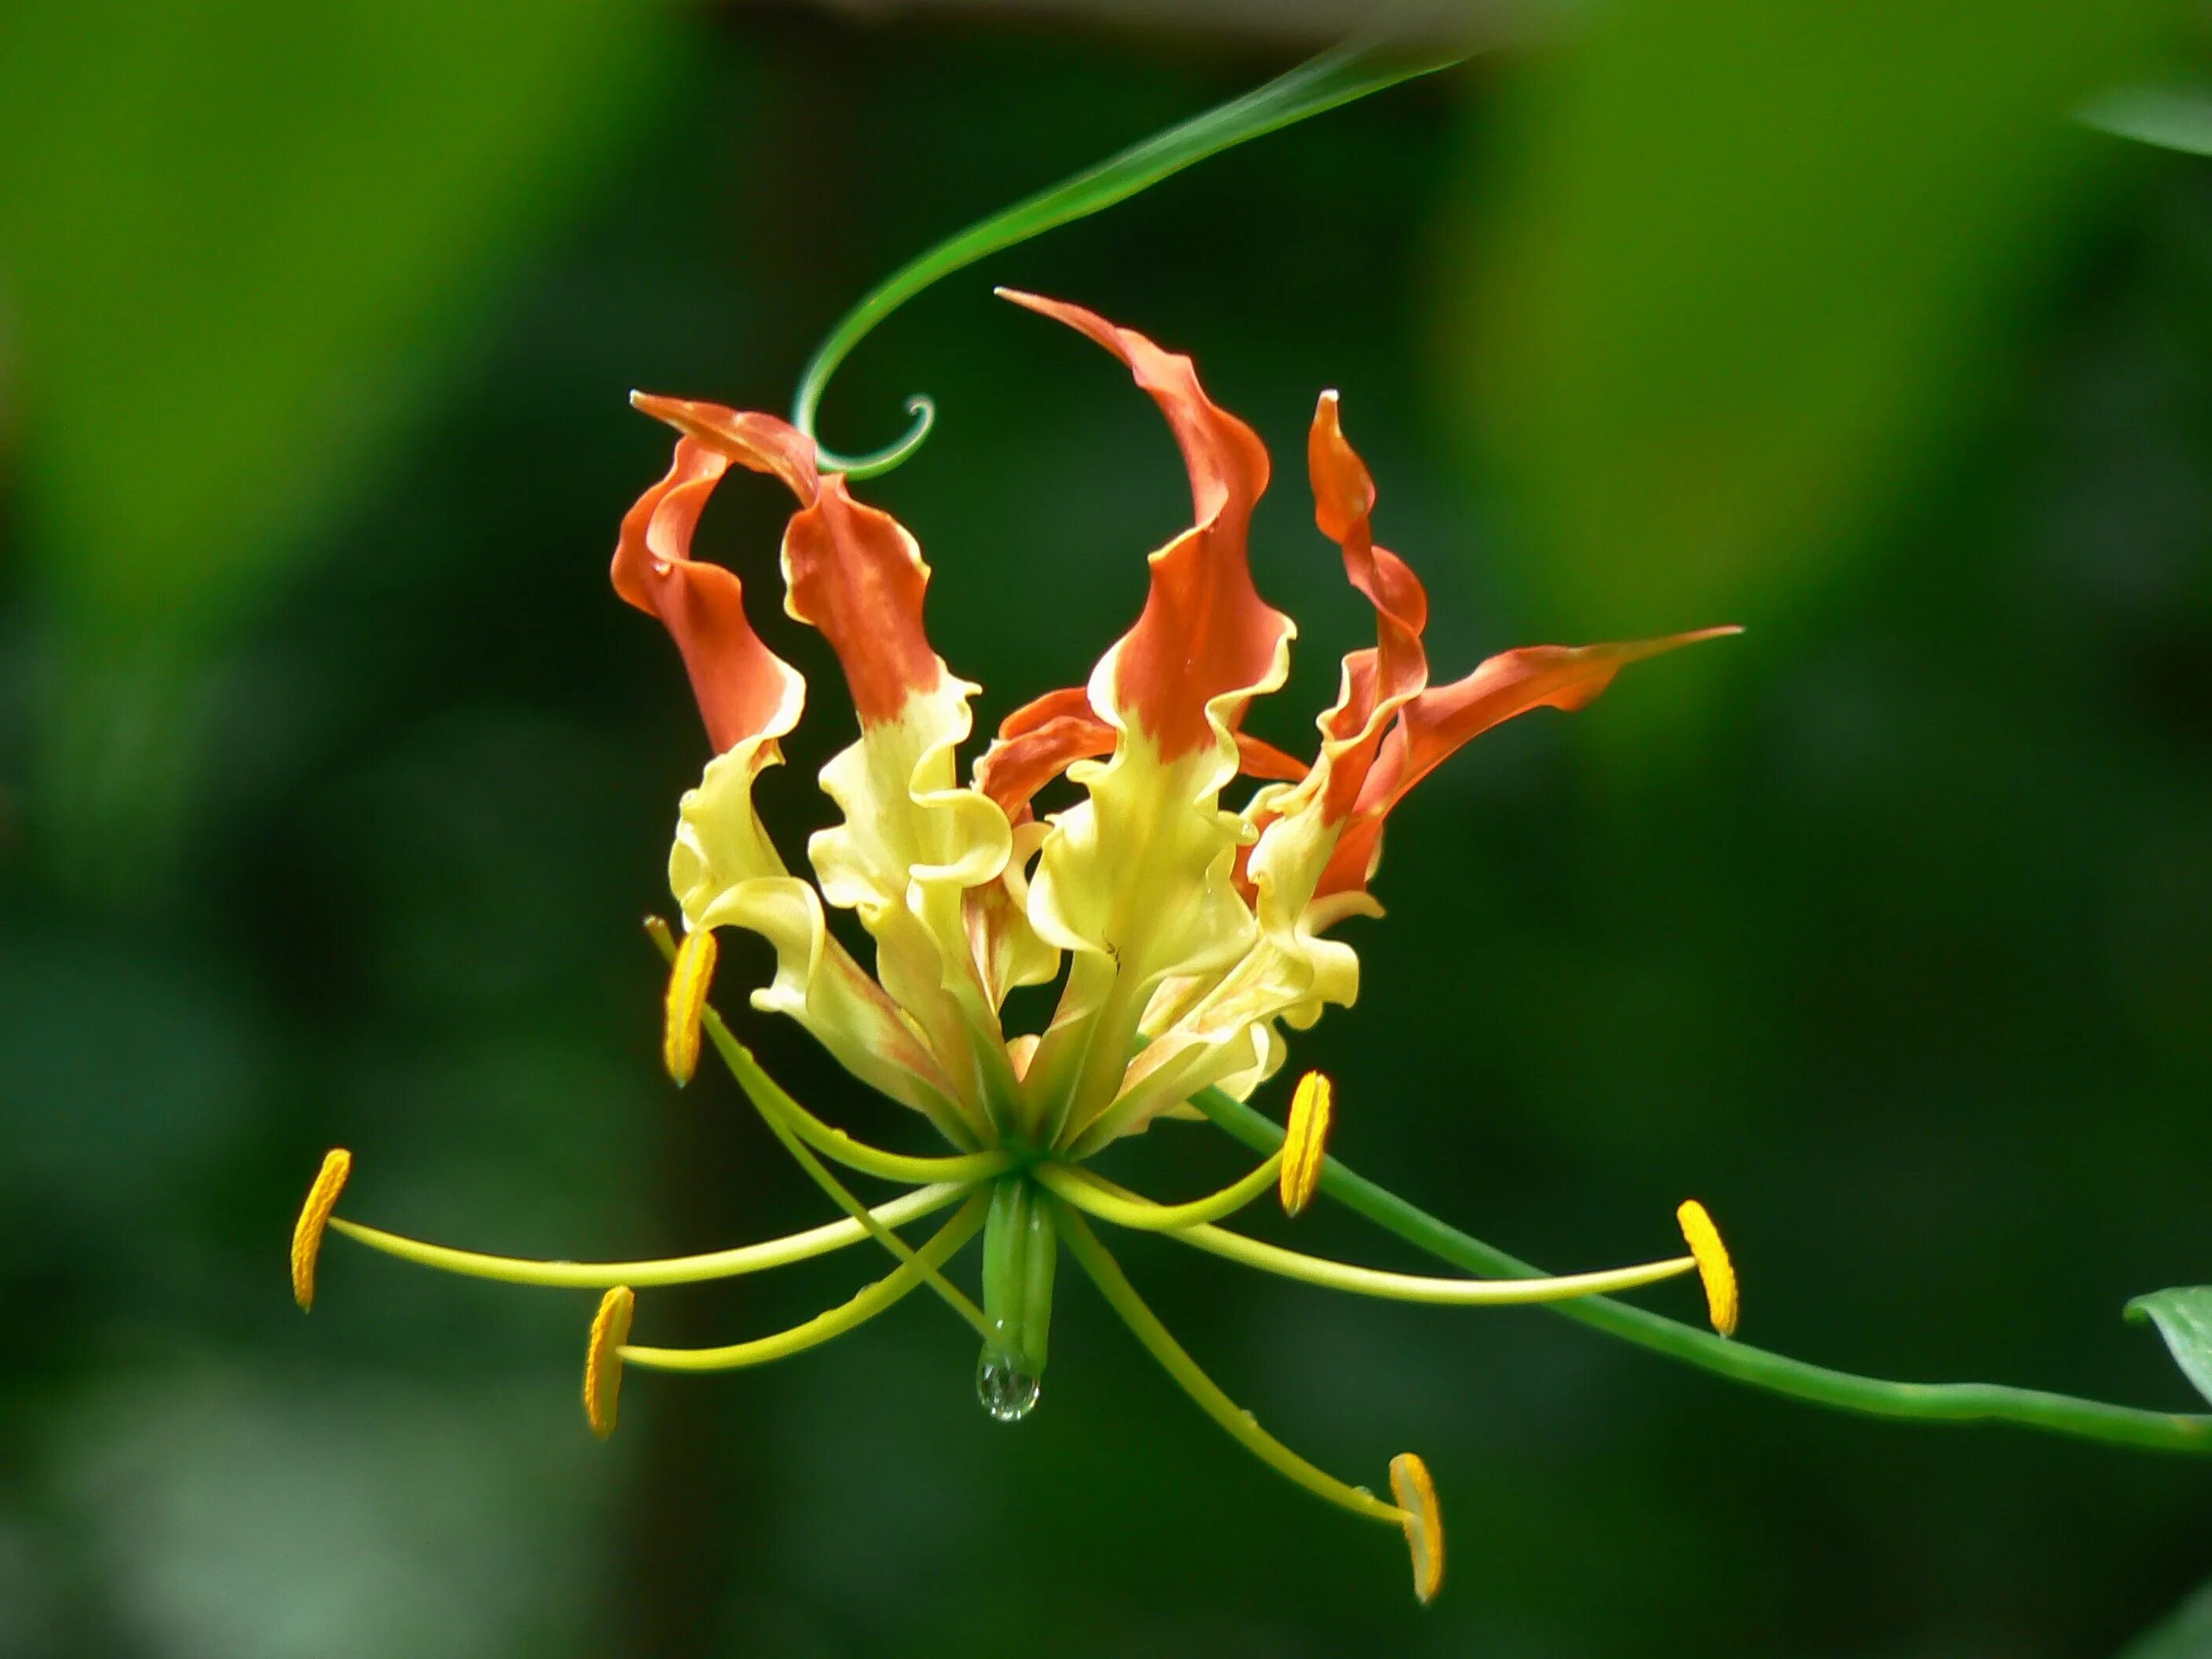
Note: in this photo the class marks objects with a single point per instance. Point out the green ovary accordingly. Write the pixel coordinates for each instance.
(1019, 1251)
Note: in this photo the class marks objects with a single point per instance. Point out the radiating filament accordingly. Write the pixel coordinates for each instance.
(669, 1270)
(1114, 1285)
(864, 1305)
(1090, 1193)
(1420, 1287)
(1109, 1202)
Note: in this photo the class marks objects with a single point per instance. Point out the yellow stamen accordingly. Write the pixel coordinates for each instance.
(603, 1366)
(1425, 1523)
(687, 980)
(1306, 1142)
(314, 1216)
(1714, 1267)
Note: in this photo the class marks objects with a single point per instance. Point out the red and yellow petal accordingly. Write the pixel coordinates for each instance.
(1441, 720)
(741, 685)
(852, 572)
(726, 873)
(1042, 739)
(760, 442)
(1206, 641)
(1136, 881)
(913, 843)
(1377, 683)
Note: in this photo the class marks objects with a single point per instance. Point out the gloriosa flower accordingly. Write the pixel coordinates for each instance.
(1185, 933)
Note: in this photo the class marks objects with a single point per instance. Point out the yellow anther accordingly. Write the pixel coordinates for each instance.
(603, 1366)
(314, 1216)
(1306, 1143)
(687, 998)
(1425, 1523)
(1714, 1267)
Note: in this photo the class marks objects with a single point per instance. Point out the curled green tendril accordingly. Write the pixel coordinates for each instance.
(1335, 77)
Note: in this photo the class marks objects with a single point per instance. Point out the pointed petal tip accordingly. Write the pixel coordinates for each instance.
(1640, 650)
(679, 413)
(1082, 320)
(1695, 636)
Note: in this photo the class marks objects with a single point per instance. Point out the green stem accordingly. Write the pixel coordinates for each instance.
(1938, 1402)
(1121, 1295)
(1321, 83)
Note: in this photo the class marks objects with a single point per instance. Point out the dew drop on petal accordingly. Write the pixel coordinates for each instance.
(1008, 1394)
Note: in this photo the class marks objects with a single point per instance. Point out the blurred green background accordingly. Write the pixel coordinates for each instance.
(333, 781)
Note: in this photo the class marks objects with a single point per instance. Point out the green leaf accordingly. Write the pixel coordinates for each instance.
(2172, 117)
(2183, 1318)
(236, 240)
(241, 244)
(2186, 1635)
(1733, 270)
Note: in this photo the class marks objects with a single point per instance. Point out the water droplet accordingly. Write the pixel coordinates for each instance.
(1007, 1394)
